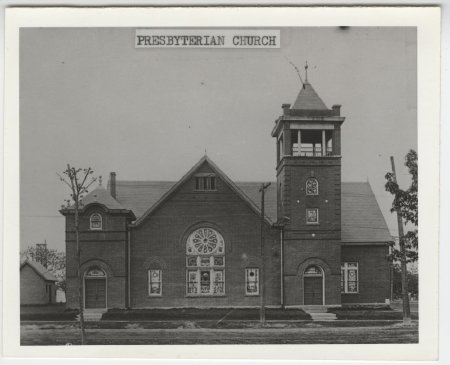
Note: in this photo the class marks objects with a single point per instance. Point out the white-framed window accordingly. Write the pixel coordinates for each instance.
(154, 282)
(205, 263)
(349, 278)
(312, 216)
(96, 221)
(312, 186)
(252, 281)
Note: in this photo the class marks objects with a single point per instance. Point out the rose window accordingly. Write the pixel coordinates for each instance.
(205, 241)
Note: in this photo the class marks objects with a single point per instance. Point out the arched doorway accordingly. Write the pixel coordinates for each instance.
(95, 288)
(313, 285)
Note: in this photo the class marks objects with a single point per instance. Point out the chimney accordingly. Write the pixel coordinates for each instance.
(112, 184)
(285, 108)
(336, 110)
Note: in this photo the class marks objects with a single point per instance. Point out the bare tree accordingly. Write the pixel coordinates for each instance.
(78, 180)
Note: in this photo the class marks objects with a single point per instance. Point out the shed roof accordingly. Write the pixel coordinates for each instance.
(39, 269)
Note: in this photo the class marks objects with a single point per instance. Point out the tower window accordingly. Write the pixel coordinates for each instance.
(312, 187)
(96, 221)
(312, 216)
(205, 182)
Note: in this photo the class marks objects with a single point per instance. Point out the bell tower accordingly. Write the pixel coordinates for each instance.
(308, 139)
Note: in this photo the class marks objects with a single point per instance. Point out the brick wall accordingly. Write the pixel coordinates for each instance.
(105, 249)
(373, 273)
(161, 239)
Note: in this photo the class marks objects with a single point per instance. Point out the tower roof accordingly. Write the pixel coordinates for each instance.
(308, 99)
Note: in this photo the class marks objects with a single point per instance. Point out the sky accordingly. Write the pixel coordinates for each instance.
(89, 98)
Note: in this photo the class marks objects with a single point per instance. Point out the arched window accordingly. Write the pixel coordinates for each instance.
(205, 263)
(313, 270)
(96, 221)
(312, 186)
(95, 272)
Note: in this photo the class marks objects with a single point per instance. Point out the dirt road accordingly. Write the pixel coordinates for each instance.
(32, 334)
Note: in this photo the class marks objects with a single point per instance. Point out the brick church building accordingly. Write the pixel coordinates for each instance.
(196, 242)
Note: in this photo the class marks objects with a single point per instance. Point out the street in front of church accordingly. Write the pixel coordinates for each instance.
(360, 332)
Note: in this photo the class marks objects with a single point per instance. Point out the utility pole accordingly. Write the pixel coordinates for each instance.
(262, 313)
(405, 298)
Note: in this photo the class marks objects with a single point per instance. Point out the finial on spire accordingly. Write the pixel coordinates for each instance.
(206, 152)
(99, 181)
(306, 71)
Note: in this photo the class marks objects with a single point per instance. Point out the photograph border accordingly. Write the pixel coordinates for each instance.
(427, 21)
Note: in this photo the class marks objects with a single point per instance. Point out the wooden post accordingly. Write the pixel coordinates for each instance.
(324, 143)
(262, 312)
(406, 309)
(299, 136)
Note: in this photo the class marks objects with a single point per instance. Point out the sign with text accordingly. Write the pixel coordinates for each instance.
(207, 38)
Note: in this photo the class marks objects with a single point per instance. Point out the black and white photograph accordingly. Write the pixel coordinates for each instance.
(237, 184)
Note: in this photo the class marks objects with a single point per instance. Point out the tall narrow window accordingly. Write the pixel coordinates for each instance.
(312, 187)
(205, 263)
(96, 221)
(349, 277)
(252, 281)
(154, 283)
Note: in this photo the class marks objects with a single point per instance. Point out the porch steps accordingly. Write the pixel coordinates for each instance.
(319, 313)
(92, 314)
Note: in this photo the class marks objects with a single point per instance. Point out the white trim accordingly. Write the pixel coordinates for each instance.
(160, 283)
(257, 294)
(90, 222)
(345, 265)
(306, 216)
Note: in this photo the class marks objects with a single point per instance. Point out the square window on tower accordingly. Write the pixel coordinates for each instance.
(312, 216)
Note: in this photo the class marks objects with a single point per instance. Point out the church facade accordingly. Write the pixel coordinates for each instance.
(202, 241)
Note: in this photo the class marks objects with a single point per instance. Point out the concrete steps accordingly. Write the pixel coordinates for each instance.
(92, 314)
(319, 313)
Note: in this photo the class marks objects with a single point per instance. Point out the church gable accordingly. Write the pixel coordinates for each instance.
(204, 184)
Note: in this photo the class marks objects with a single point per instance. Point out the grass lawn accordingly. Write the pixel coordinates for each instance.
(210, 314)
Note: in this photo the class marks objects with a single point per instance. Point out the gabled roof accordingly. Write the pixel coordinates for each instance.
(39, 269)
(308, 99)
(175, 186)
(362, 220)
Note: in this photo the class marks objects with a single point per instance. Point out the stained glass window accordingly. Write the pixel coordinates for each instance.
(252, 281)
(205, 263)
(349, 277)
(313, 270)
(96, 221)
(312, 216)
(154, 282)
(95, 272)
(312, 187)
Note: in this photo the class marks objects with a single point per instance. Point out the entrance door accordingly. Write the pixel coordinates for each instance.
(313, 291)
(95, 292)
(313, 286)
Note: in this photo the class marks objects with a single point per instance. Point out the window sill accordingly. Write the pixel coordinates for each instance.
(154, 296)
(205, 296)
(349, 293)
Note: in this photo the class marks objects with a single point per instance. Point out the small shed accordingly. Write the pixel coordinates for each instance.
(37, 284)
